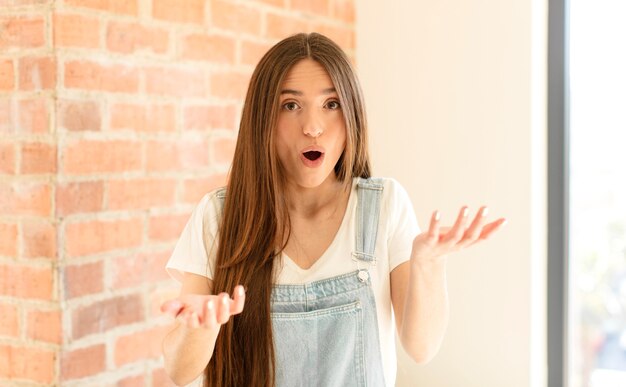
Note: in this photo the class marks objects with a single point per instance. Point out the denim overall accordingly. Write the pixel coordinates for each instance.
(326, 332)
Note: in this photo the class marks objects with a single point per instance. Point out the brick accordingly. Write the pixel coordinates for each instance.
(26, 282)
(26, 2)
(141, 193)
(6, 115)
(76, 31)
(116, 78)
(79, 197)
(176, 154)
(175, 82)
(229, 85)
(7, 159)
(83, 279)
(24, 198)
(9, 320)
(83, 362)
(33, 116)
(278, 26)
(132, 381)
(210, 117)
(194, 189)
(213, 48)
(343, 10)
(39, 239)
(139, 346)
(343, 36)
(274, 3)
(37, 73)
(22, 32)
(135, 270)
(222, 150)
(166, 227)
(317, 7)
(102, 316)
(252, 52)
(132, 37)
(32, 364)
(98, 236)
(80, 115)
(151, 118)
(235, 17)
(38, 157)
(7, 75)
(192, 11)
(8, 242)
(44, 326)
(125, 7)
(86, 156)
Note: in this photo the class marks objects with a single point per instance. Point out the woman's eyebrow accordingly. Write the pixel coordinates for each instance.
(330, 90)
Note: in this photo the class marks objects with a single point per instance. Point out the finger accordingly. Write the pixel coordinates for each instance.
(172, 307)
(457, 231)
(240, 298)
(491, 228)
(210, 320)
(474, 230)
(192, 320)
(223, 308)
(433, 228)
(183, 317)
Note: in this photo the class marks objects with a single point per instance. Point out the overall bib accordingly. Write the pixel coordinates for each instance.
(326, 332)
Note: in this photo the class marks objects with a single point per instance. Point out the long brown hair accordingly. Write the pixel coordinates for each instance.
(255, 219)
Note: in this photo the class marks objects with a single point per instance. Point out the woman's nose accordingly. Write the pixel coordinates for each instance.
(312, 125)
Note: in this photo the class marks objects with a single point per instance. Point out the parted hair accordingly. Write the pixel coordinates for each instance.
(254, 226)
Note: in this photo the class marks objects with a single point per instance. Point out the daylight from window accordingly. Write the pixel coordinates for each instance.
(597, 118)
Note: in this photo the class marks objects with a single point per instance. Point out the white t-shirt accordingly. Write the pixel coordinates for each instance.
(396, 230)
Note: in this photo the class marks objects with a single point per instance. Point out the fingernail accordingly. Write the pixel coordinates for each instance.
(240, 290)
(437, 215)
(465, 212)
(210, 305)
(224, 300)
(504, 222)
(485, 211)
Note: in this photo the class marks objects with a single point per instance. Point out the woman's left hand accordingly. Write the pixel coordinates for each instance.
(431, 246)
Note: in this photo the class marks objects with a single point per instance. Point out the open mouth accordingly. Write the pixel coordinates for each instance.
(312, 155)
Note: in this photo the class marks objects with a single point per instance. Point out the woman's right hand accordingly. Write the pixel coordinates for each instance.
(205, 311)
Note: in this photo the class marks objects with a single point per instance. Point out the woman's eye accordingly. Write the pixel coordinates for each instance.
(290, 106)
(333, 105)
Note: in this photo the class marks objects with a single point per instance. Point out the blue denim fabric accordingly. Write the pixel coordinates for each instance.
(326, 332)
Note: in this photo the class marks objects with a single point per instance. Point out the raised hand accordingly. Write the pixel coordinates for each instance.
(205, 311)
(438, 241)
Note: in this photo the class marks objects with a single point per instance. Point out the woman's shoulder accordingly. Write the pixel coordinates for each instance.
(390, 186)
(210, 206)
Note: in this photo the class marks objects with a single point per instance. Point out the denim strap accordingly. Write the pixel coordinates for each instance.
(368, 212)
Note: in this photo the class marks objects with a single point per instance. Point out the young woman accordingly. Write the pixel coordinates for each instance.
(315, 251)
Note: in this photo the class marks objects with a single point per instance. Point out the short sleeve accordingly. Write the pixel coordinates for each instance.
(402, 226)
(190, 254)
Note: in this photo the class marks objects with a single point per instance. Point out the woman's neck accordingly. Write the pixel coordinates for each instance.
(304, 202)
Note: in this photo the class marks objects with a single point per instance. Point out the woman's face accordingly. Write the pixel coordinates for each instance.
(310, 132)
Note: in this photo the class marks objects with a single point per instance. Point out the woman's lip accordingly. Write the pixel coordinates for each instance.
(313, 148)
(312, 163)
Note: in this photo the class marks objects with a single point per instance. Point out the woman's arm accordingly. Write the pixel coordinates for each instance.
(420, 298)
(418, 287)
(188, 348)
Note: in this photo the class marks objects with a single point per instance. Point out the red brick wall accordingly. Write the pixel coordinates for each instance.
(116, 116)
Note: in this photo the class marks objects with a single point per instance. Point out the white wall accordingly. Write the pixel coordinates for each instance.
(455, 92)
